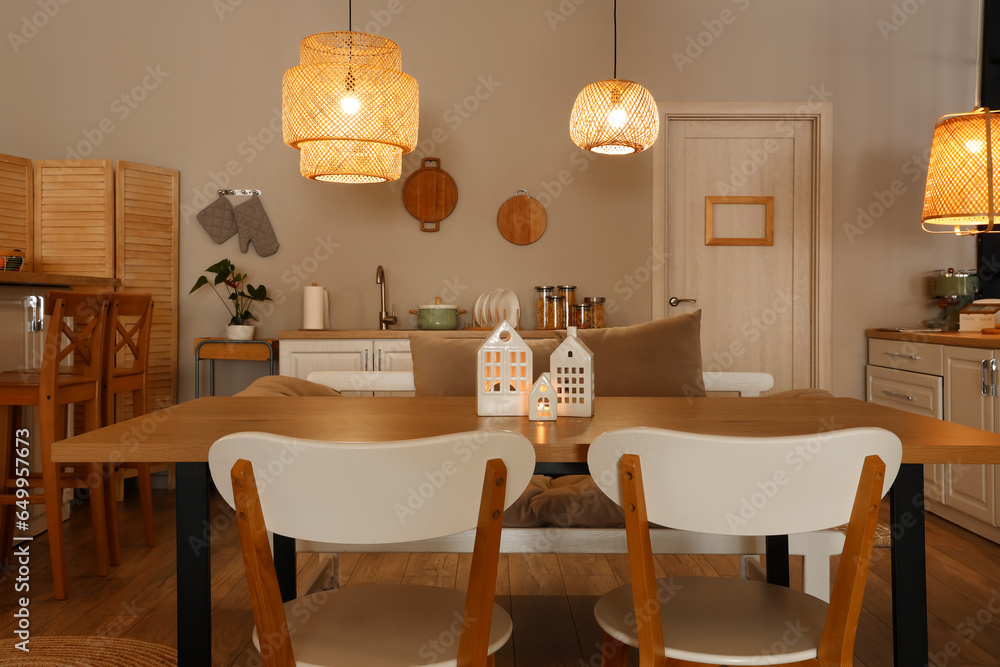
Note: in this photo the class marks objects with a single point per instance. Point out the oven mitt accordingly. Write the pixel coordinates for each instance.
(217, 219)
(254, 225)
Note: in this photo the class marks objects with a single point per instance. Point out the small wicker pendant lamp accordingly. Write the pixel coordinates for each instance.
(349, 108)
(961, 182)
(614, 116)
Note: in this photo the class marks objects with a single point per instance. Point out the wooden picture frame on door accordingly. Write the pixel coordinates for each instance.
(766, 239)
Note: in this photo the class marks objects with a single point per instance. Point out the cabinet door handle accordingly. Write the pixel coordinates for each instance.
(366, 360)
(893, 394)
(379, 360)
(901, 355)
(986, 387)
(993, 377)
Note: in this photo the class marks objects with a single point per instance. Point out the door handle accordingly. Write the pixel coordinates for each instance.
(985, 387)
(894, 394)
(993, 377)
(366, 360)
(674, 301)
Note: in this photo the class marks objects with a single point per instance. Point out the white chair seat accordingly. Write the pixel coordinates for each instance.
(382, 626)
(722, 621)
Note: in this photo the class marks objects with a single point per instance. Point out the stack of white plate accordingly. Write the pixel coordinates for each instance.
(493, 307)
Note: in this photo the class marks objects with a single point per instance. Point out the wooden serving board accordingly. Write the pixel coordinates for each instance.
(430, 194)
(522, 219)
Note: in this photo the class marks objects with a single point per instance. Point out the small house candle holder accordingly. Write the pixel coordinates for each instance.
(503, 373)
(542, 400)
(572, 368)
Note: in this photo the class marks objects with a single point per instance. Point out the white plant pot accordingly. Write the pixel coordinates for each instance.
(240, 331)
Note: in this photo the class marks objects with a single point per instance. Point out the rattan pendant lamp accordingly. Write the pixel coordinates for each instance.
(960, 196)
(349, 108)
(614, 116)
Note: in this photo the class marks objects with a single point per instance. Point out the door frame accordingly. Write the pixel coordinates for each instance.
(820, 115)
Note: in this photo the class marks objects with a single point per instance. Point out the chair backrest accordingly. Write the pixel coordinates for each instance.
(130, 319)
(372, 493)
(75, 331)
(732, 485)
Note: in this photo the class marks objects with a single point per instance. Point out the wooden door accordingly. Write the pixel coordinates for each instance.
(147, 261)
(17, 208)
(75, 217)
(743, 225)
(968, 488)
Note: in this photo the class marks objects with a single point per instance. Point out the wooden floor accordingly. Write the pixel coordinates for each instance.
(550, 597)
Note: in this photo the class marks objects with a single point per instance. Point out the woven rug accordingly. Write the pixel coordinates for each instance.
(883, 535)
(87, 652)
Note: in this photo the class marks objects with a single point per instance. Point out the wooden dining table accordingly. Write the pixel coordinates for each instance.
(185, 432)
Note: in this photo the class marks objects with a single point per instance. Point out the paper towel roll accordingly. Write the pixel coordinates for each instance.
(315, 307)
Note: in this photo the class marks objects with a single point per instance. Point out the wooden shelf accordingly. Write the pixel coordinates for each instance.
(55, 279)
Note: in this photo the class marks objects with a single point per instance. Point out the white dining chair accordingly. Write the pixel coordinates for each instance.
(739, 486)
(374, 494)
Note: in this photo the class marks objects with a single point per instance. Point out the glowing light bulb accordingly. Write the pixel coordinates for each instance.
(974, 145)
(350, 104)
(617, 118)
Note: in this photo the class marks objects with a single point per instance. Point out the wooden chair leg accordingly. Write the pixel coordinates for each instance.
(613, 652)
(119, 485)
(146, 502)
(98, 517)
(48, 415)
(6, 470)
(111, 514)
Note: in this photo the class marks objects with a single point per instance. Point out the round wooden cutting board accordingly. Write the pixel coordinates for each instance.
(430, 194)
(522, 219)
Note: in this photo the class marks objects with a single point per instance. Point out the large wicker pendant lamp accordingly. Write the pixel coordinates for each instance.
(614, 116)
(960, 197)
(349, 108)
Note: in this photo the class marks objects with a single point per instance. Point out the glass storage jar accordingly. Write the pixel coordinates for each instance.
(596, 311)
(555, 312)
(541, 292)
(569, 293)
(580, 316)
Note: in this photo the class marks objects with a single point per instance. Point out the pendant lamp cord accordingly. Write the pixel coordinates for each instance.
(350, 22)
(616, 39)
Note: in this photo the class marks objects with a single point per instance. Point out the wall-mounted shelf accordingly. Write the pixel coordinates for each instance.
(55, 279)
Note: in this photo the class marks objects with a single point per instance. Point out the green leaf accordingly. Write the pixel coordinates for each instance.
(258, 293)
(202, 280)
(233, 296)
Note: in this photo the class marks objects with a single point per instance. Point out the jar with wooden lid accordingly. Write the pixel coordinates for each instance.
(580, 316)
(569, 293)
(541, 292)
(596, 311)
(555, 312)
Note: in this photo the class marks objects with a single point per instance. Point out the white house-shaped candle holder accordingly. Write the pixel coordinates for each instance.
(503, 373)
(542, 400)
(572, 368)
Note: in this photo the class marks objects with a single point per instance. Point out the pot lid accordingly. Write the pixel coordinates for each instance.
(438, 306)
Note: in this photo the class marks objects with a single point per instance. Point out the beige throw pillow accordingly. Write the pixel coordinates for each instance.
(447, 366)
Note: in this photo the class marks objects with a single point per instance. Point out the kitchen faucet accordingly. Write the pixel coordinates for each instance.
(384, 318)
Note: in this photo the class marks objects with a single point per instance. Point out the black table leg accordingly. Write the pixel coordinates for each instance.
(284, 565)
(909, 567)
(777, 559)
(194, 567)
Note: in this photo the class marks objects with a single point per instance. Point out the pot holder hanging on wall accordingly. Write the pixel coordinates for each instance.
(218, 220)
(254, 225)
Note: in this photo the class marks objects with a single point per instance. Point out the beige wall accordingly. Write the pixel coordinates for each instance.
(214, 101)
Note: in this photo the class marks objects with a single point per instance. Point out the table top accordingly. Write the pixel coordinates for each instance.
(185, 432)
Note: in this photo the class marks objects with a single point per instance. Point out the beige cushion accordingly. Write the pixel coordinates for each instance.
(447, 366)
(571, 500)
(280, 385)
(659, 358)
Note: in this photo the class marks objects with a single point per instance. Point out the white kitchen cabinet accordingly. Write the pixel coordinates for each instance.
(970, 399)
(300, 357)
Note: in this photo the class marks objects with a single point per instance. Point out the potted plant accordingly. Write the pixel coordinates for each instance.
(238, 300)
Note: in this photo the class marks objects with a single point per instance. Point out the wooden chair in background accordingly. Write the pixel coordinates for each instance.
(705, 483)
(74, 335)
(366, 492)
(126, 360)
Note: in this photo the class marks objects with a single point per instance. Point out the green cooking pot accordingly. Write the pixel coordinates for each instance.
(437, 316)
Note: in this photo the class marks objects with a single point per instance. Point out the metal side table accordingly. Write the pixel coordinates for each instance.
(210, 349)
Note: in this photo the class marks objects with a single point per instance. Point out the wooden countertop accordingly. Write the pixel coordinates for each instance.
(376, 334)
(959, 339)
(55, 279)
